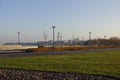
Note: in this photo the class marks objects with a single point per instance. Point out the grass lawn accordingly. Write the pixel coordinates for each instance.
(101, 63)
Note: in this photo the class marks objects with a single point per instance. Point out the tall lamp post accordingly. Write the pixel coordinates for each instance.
(53, 36)
(89, 39)
(18, 38)
(58, 39)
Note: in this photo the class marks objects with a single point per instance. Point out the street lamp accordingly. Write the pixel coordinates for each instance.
(18, 38)
(89, 39)
(53, 36)
(58, 39)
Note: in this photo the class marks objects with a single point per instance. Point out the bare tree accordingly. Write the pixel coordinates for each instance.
(45, 34)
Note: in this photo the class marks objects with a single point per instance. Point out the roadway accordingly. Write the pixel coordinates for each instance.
(15, 54)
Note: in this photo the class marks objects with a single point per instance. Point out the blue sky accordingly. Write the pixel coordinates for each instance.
(71, 17)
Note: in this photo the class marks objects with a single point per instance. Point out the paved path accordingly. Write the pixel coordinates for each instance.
(25, 54)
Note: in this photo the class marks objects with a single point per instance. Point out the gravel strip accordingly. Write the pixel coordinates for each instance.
(10, 74)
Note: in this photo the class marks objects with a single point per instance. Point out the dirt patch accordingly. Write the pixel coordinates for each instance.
(11, 74)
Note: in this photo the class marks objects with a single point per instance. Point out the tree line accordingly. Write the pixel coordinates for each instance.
(111, 42)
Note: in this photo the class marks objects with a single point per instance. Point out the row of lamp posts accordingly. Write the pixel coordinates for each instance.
(53, 45)
(53, 37)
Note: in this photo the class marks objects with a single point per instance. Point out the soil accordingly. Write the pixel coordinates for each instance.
(12, 74)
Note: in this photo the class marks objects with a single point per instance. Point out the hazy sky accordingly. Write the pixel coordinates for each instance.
(71, 17)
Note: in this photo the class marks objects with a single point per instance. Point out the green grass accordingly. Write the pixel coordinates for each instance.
(102, 63)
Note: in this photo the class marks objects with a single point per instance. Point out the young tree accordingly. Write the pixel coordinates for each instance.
(45, 34)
